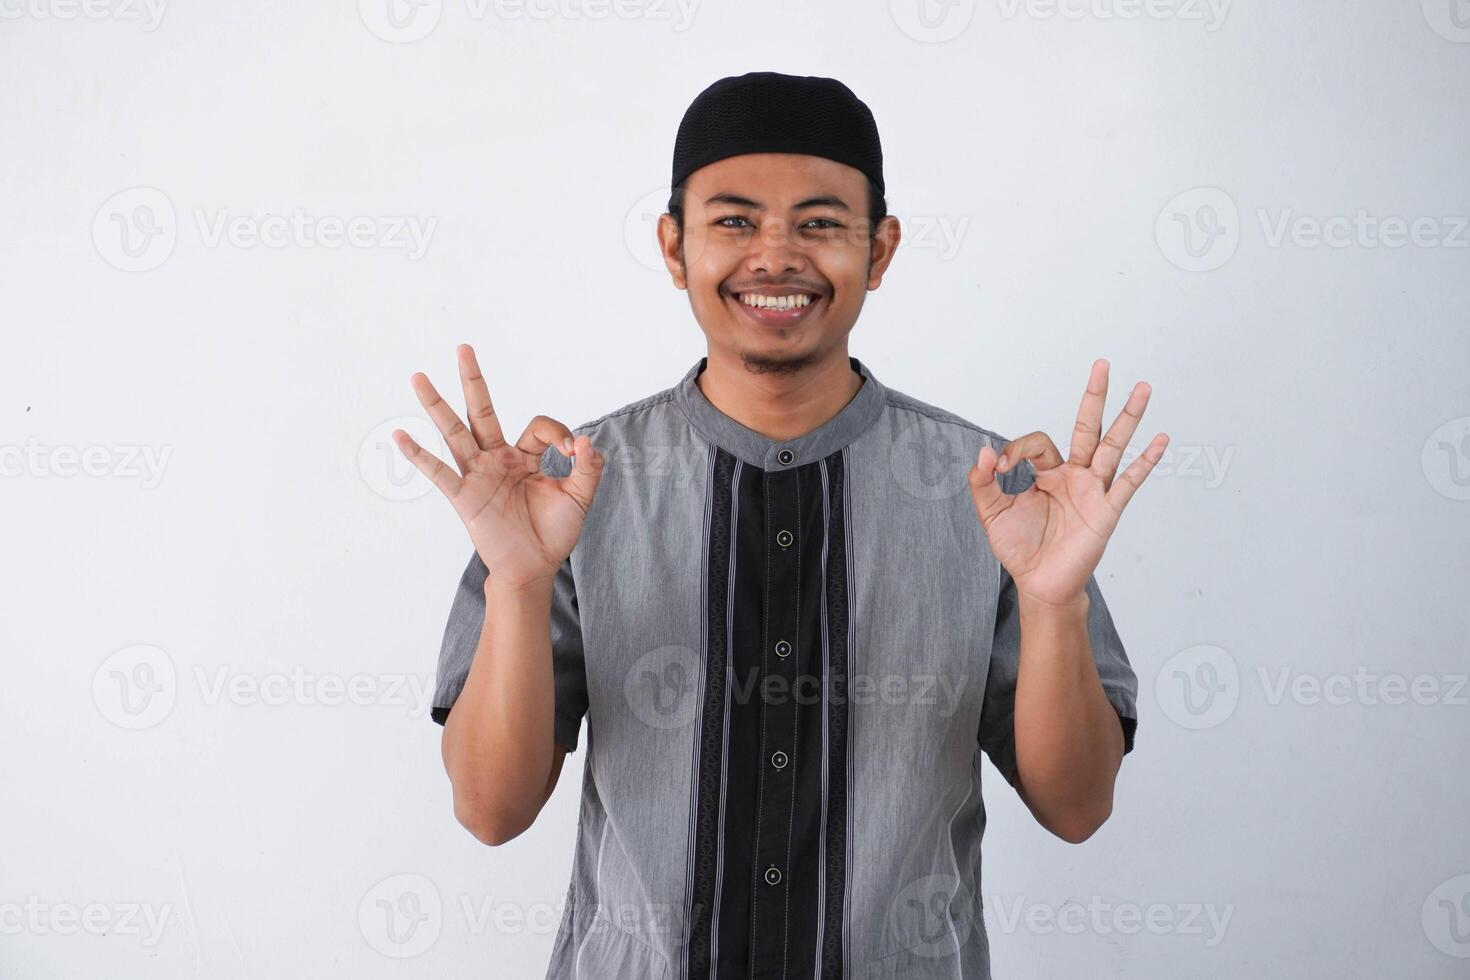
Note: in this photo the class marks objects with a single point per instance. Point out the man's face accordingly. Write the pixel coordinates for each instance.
(777, 255)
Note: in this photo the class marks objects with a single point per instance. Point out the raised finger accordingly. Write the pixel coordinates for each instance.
(484, 424)
(427, 463)
(1132, 478)
(1089, 415)
(461, 443)
(1110, 452)
(1035, 446)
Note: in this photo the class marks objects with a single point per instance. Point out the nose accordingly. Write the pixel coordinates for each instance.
(773, 252)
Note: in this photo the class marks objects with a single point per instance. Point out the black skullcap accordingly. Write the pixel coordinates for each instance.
(767, 112)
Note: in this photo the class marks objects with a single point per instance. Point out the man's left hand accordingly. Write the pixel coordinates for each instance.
(1051, 536)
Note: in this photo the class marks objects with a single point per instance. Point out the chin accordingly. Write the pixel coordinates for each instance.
(776, 358)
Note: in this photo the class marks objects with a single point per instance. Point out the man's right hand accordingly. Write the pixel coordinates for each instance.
(523, 523)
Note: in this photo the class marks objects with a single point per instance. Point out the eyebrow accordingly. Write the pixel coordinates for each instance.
(821, 201)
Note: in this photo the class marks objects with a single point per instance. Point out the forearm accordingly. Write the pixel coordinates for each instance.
(1069, 742)
(498, 743)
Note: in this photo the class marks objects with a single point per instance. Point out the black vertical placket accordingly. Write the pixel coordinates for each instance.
(761, 770)
(781, 638)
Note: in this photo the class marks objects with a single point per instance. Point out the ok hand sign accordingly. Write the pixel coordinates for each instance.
(523, 523)
(1051, 536)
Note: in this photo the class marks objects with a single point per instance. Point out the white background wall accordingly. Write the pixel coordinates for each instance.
(225, 516)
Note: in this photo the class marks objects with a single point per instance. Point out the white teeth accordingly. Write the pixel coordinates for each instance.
(775, 302)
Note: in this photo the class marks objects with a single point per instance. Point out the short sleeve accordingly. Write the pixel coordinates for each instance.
(467, 619)
(997, 734)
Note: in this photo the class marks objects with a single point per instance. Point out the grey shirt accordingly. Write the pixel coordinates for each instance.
(789, 656)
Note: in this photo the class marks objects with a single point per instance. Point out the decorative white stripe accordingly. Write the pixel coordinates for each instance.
(851, 714)
(682, 968)
(714, 956)
(826, 699)
(954, 860)
(597, 876)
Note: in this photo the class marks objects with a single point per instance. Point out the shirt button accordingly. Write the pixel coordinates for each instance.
(785, 456)
(773, 875)
(783, 649)
(779, 760)
(783, 538)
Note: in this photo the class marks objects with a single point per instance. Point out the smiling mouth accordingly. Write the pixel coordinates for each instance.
(777, 306)
(776, 301)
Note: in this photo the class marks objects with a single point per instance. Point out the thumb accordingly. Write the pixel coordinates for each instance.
(581, 483)
(990, 499)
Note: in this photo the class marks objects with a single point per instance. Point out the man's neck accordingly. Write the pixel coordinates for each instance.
(779, 406)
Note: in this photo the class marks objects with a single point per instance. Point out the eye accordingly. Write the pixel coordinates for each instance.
(731, 217)
(822, 224)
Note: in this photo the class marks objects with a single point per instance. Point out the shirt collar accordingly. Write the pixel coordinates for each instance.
(755, 449)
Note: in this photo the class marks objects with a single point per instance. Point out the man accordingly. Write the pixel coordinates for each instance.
(788, 629)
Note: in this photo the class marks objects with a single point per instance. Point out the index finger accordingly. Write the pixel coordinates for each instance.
(478, 407)
(1088, 430)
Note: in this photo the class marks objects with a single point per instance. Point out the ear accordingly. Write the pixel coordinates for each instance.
(671, 246)
(881, 248)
